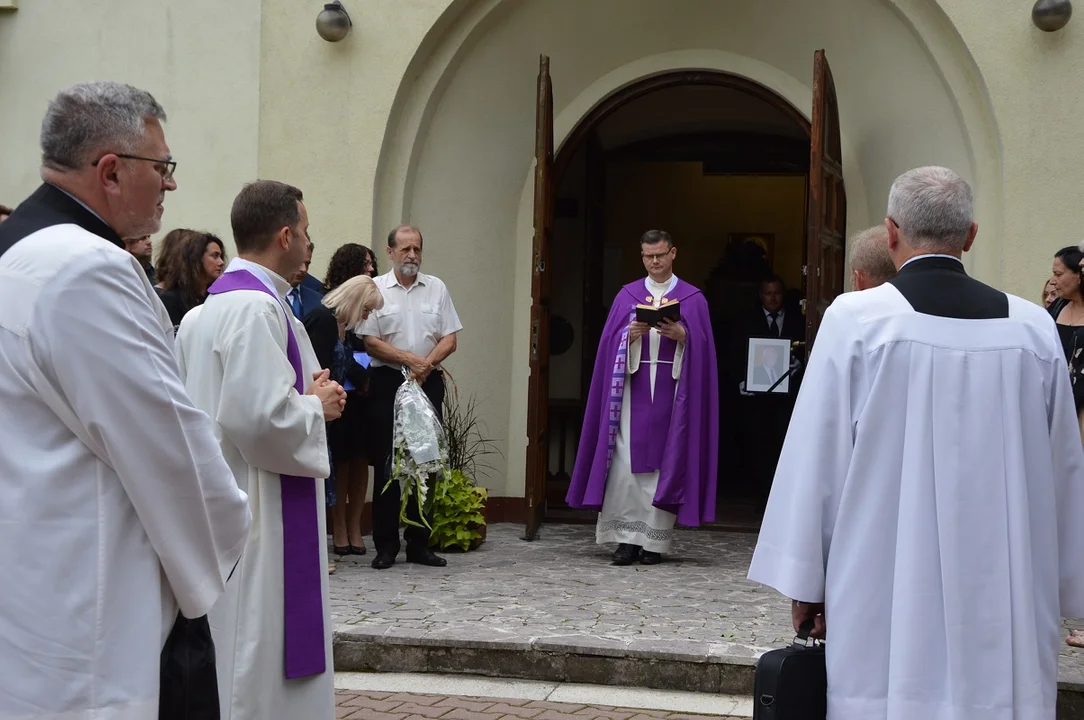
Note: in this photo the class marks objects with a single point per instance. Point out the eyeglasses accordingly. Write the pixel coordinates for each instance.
(168, 167)
(654, 256)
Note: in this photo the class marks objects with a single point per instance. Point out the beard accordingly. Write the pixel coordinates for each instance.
(409, 269)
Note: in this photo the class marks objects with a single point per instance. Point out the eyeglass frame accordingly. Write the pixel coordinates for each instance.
(655, 256)
(171, 165)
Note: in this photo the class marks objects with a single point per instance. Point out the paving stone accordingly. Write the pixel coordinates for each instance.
(525, 595)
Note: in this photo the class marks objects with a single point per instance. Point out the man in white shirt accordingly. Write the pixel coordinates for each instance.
(416, 331)
(248, 363)
(926, 509)
(116, 505)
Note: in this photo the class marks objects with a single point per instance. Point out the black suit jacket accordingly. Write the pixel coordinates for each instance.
(938, 285)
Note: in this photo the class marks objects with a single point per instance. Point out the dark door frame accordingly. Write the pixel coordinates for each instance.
(584, 133)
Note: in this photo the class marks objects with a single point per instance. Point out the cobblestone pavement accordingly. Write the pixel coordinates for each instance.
(401, 706)
(562, 589)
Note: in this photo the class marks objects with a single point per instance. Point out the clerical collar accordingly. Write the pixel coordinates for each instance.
(666, 287)
(85, 206)
(931, 255)
(272, 280)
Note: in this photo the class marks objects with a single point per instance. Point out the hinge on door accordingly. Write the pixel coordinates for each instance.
(541, 266)
(805, 270)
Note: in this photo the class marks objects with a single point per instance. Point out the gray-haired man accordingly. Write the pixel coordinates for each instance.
(932, 484)
(116, 505)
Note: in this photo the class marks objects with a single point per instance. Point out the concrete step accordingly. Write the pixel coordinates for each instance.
(573, 660)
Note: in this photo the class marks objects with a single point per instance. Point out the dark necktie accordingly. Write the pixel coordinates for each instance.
(773, 326)
(295, 303)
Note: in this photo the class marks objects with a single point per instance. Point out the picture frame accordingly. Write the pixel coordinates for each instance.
(764, 240)
(768, 359)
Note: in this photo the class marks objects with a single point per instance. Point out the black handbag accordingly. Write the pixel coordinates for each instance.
(189, 681)
(792, 683)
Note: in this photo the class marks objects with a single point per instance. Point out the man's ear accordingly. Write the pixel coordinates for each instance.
(107, 173)
(893, 235)
(971, 233)
(283, 238)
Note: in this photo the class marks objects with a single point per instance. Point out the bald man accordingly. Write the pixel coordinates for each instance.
(871, 265)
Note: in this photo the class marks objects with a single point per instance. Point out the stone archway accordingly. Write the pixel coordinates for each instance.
(457, 151)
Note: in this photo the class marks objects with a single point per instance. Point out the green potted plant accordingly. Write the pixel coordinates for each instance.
(459, 520)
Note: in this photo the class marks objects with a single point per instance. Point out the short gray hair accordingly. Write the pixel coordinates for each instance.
(932, 207)
(869, 253)
(92, 118)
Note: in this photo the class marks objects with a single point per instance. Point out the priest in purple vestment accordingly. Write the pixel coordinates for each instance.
(648, 450)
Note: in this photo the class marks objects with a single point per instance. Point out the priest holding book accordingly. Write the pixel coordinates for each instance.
(647, 456)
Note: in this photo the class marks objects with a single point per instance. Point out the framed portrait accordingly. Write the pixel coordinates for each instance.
(768, 361)
(765, 240)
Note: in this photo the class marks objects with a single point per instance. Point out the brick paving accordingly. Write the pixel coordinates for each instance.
(401, 706)
(560, 593)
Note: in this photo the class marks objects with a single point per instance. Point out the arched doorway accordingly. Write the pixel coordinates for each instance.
(736, 174)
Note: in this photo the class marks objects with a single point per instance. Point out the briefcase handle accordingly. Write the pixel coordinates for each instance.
(802, 639)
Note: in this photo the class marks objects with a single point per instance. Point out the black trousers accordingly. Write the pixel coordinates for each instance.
(380, 408)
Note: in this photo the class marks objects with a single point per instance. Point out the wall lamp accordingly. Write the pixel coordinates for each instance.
(333, 23)
(1051, 15)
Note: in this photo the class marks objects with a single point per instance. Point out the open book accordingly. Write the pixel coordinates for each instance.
(655, 315)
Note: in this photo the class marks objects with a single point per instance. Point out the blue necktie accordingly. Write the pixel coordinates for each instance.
(295, 303)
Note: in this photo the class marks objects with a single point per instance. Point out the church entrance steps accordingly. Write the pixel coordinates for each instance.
(556, 610)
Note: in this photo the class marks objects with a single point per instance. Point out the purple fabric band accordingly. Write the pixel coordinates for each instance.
(617, 390)
(302, 571)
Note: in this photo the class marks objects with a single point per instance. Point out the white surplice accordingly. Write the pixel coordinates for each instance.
(628, 515)
(98, 553)
(233, 357)
(931, 491)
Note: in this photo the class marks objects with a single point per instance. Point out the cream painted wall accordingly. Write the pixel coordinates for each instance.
(325, 107)
(200, 59)
(1034, 84)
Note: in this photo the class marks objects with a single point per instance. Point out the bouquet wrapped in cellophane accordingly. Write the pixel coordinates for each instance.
(419, 455)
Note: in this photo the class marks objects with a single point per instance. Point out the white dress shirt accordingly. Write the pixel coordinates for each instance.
(413, 319)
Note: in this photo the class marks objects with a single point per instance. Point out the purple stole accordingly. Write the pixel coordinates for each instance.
(649, 416)
(302, 571)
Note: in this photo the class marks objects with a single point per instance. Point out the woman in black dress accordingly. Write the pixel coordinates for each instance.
(198, 259)
(1068, 314)
(335, 345)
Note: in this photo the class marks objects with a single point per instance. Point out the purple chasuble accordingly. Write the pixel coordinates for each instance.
(676, 432)
(302, 571)
(649, 417)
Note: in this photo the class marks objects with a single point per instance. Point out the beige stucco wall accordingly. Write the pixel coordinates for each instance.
(425, 113)
(199, 58)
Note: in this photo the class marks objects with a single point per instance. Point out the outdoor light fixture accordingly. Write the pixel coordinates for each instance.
(333, 22)
(1051, 15)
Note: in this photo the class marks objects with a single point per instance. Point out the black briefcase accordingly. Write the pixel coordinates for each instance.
(792, 683)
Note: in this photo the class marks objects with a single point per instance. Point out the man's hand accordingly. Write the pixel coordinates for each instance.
(419, 367)
(674, 331)
(800, 612)
(331, 394)
(637, 330)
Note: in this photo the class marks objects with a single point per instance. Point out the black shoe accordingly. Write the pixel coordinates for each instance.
(341, 549)
(383, 561)
(650, 558)
(425, 556)
(626, 554)
(355, 550)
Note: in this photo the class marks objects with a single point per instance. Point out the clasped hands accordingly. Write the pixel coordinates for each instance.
(667, 328)
(331, 394)
(419, 367)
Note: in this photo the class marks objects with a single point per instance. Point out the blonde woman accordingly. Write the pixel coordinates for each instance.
(351, 295)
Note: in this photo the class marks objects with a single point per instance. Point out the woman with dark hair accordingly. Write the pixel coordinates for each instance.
(1068, 313)
(333, 340)
(198, 259)
(371, 270)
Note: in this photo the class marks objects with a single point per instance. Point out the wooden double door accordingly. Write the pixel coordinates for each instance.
(822, 271)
